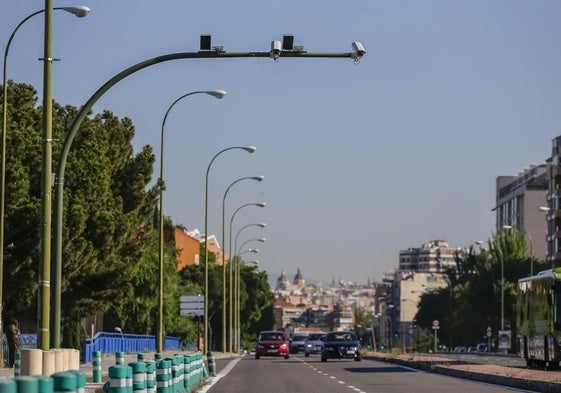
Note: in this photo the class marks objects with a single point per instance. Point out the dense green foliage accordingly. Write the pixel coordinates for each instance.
(472, 301)
(110, 229)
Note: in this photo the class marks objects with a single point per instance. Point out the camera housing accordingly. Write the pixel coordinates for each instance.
(276, 48)
(358, 50)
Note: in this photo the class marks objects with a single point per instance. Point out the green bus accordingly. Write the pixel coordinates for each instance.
(538, 317)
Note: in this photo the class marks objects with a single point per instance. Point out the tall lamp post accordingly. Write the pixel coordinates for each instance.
(79, 11)
(161, 186)
(256, 178)
(357, 53)
(249, 149)
(231, 285)
(238, 297)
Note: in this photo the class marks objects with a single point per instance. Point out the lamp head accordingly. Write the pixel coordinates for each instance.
(262, 204)
(262, 225)
(262, 240)
(216, 93)
(249, 149)
(80, 11)
(258, 178)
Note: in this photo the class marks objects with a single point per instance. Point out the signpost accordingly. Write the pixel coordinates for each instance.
(435, 327)
(193, 306)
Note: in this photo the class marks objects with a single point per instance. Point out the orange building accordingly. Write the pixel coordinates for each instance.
(188, 245)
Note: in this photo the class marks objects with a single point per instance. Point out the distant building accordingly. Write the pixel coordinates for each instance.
(299, 280)
(518, 199)
(552, 207)
(188, 245)
(435, 256)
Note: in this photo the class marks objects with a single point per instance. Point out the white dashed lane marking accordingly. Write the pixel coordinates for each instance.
(332, 377)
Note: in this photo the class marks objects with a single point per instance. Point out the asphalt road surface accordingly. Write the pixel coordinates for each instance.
(309, 375)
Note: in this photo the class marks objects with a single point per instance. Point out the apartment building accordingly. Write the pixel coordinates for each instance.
(518, 202)
(552, 208)
(435, 256)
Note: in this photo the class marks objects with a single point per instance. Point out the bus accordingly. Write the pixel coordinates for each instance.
(538, 317)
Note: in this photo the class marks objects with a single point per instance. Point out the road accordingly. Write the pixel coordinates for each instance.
(300, 374)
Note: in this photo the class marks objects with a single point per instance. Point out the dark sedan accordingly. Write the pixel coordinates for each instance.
(340, 345)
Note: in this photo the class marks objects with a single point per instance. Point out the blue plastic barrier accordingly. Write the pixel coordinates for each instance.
(109, 343)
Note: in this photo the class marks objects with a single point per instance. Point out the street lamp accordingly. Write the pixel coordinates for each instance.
(261, 225)
(262, 240)
(238, 297)
(205, 53)
(255, 264)
(249, 149)
(79, 11)
(161, 186)
(256, 178)
(507, 227)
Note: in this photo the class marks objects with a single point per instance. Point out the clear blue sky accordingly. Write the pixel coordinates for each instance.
(359, 161)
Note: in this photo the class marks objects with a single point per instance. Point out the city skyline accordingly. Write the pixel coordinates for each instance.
(359, 160)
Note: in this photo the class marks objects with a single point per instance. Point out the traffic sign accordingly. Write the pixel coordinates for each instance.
(489, 331)
(435, 324)
(192, 306)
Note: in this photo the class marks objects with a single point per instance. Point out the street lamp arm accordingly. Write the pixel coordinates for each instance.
(215, 93)
(84, 110)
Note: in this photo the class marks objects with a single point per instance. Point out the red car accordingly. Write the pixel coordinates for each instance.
(272, 343)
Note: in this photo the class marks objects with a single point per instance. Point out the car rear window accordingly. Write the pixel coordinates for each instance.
(272, 337)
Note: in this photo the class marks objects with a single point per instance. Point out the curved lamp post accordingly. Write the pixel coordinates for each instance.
(238, 297)
(256, 178)
(262, 240)
(161, 186)
(80, 12)
(249, 149)
(232, 258)
(85, 108)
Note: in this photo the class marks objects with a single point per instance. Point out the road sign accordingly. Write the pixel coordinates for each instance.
(489, 331)
(435, 324)
(192, 306)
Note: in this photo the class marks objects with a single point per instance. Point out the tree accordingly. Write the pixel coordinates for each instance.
(256, 301)
(472, 300)
(108, 210)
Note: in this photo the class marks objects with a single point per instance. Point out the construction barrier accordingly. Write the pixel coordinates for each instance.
(180, 373)
(65, 382)
(138, 377)
(163, 376)
(150, 376)
(119, 357)
(97, 375)
(118, 378)
(17, 364)
(211, 363)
